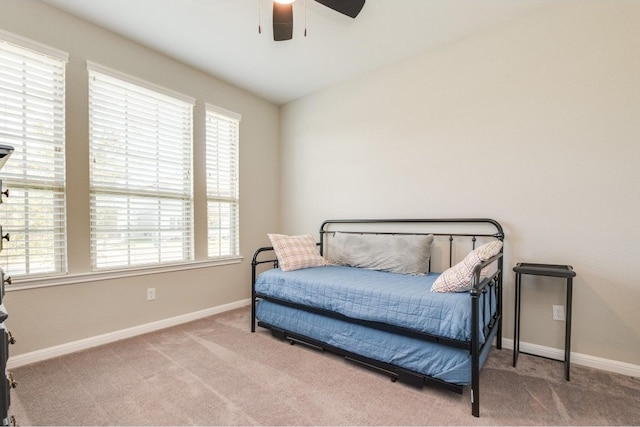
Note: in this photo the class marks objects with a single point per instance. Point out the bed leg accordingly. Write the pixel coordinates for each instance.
(475, 352)
(475, 405)
(253, 315)
(499, 308)
(475, 387)
(253, 293)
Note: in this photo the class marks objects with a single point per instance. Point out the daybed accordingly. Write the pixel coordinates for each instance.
(369, 294)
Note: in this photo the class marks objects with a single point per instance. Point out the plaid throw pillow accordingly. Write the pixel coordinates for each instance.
(296, 252)
(458, 277)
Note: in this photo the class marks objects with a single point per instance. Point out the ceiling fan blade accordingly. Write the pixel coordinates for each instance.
(350, 8)
(282, 21)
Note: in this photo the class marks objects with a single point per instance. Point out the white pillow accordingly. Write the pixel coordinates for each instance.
(458, 277)
(296, 252)
(397, 253)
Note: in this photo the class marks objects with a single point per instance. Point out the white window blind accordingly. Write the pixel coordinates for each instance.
(140, 174)
(32, 120)
(222, 140)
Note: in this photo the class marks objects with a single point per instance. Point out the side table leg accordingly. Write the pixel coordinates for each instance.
(516, 327)
(567, 333)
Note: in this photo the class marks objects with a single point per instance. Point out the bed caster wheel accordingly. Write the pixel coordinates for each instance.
(394, 379)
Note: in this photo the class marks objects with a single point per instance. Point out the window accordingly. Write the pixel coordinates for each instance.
(32, 114)
(223, 133)
(140, 139)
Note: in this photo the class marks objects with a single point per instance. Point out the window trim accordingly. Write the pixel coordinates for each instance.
(34, 46)
(98, 68)
(43, 281)
(222, 111)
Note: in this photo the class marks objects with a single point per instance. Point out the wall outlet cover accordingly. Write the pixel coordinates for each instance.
(558, 312)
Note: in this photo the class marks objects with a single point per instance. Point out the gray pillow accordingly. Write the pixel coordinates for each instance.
(405, 254)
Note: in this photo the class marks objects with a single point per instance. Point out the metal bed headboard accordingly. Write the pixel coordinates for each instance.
(325, 229)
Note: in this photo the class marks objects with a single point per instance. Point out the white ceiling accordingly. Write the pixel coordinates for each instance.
(221, 37)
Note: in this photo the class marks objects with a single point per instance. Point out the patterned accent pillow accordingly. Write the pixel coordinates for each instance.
(396, 253)
(458, 277)
(296, 252)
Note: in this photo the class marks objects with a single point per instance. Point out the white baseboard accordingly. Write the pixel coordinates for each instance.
(71, 347)
(577, 358)
(60, 350)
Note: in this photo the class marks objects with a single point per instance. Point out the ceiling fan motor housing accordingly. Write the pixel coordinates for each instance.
(283, 15)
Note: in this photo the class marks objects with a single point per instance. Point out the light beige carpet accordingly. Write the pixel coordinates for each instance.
(215, 372)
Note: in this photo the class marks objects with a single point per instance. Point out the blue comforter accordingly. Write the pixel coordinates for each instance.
(391, 298)
(429, 358)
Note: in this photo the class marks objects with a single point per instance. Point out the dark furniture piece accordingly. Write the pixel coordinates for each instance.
(549, 270)
(6, 380)
(485, 297)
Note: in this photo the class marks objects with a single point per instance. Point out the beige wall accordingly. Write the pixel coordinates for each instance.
(45, 317)
(535, 123)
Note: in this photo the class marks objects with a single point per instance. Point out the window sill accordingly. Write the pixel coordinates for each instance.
(72, 279)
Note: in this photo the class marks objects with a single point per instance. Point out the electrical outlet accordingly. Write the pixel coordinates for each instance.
(151, 294)
(558, 312)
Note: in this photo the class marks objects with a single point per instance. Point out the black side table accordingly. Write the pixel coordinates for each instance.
(550, 270)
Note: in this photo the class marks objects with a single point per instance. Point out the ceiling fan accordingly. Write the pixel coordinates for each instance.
(283, 14)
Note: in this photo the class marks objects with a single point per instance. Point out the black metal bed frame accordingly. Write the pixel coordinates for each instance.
(478, 293)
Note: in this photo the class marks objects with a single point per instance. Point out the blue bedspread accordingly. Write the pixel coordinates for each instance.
(391, 298)
(435, 360)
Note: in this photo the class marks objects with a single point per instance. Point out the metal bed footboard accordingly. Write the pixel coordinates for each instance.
(486, 293)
